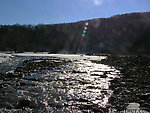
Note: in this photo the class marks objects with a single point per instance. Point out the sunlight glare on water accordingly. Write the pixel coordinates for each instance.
(59, 84)
(96, 82)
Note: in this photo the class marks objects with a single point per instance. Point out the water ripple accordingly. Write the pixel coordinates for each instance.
(58, 85)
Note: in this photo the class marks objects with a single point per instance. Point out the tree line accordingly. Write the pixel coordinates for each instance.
(119, 34)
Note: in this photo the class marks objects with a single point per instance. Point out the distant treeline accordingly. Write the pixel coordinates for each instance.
(120, 34)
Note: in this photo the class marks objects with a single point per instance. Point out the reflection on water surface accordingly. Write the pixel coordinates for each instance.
(58, 85)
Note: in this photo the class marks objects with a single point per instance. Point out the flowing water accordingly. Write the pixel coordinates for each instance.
(57, 84)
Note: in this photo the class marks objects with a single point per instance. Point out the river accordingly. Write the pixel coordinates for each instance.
(55, 83)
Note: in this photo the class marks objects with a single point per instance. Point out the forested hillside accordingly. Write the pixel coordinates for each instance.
(120, 34)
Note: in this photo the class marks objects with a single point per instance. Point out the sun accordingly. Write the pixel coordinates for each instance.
(97, 2)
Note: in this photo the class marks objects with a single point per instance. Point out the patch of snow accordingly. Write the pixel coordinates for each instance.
(4, 57)
(69, 56)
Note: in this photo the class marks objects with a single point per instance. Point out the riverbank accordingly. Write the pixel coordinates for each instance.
(133, 85)
(134, 82)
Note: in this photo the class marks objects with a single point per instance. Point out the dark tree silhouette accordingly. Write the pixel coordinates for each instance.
(120, 34)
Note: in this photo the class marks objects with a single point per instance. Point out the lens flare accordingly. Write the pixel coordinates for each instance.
(84, 31)
(86, 23)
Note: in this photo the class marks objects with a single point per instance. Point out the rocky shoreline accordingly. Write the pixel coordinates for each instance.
(134, 82)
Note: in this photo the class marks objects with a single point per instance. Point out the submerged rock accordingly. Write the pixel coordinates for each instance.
(2, 76)
(6, 105)
(26, 103)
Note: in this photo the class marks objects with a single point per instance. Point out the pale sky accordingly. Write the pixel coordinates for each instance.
(65, 11)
